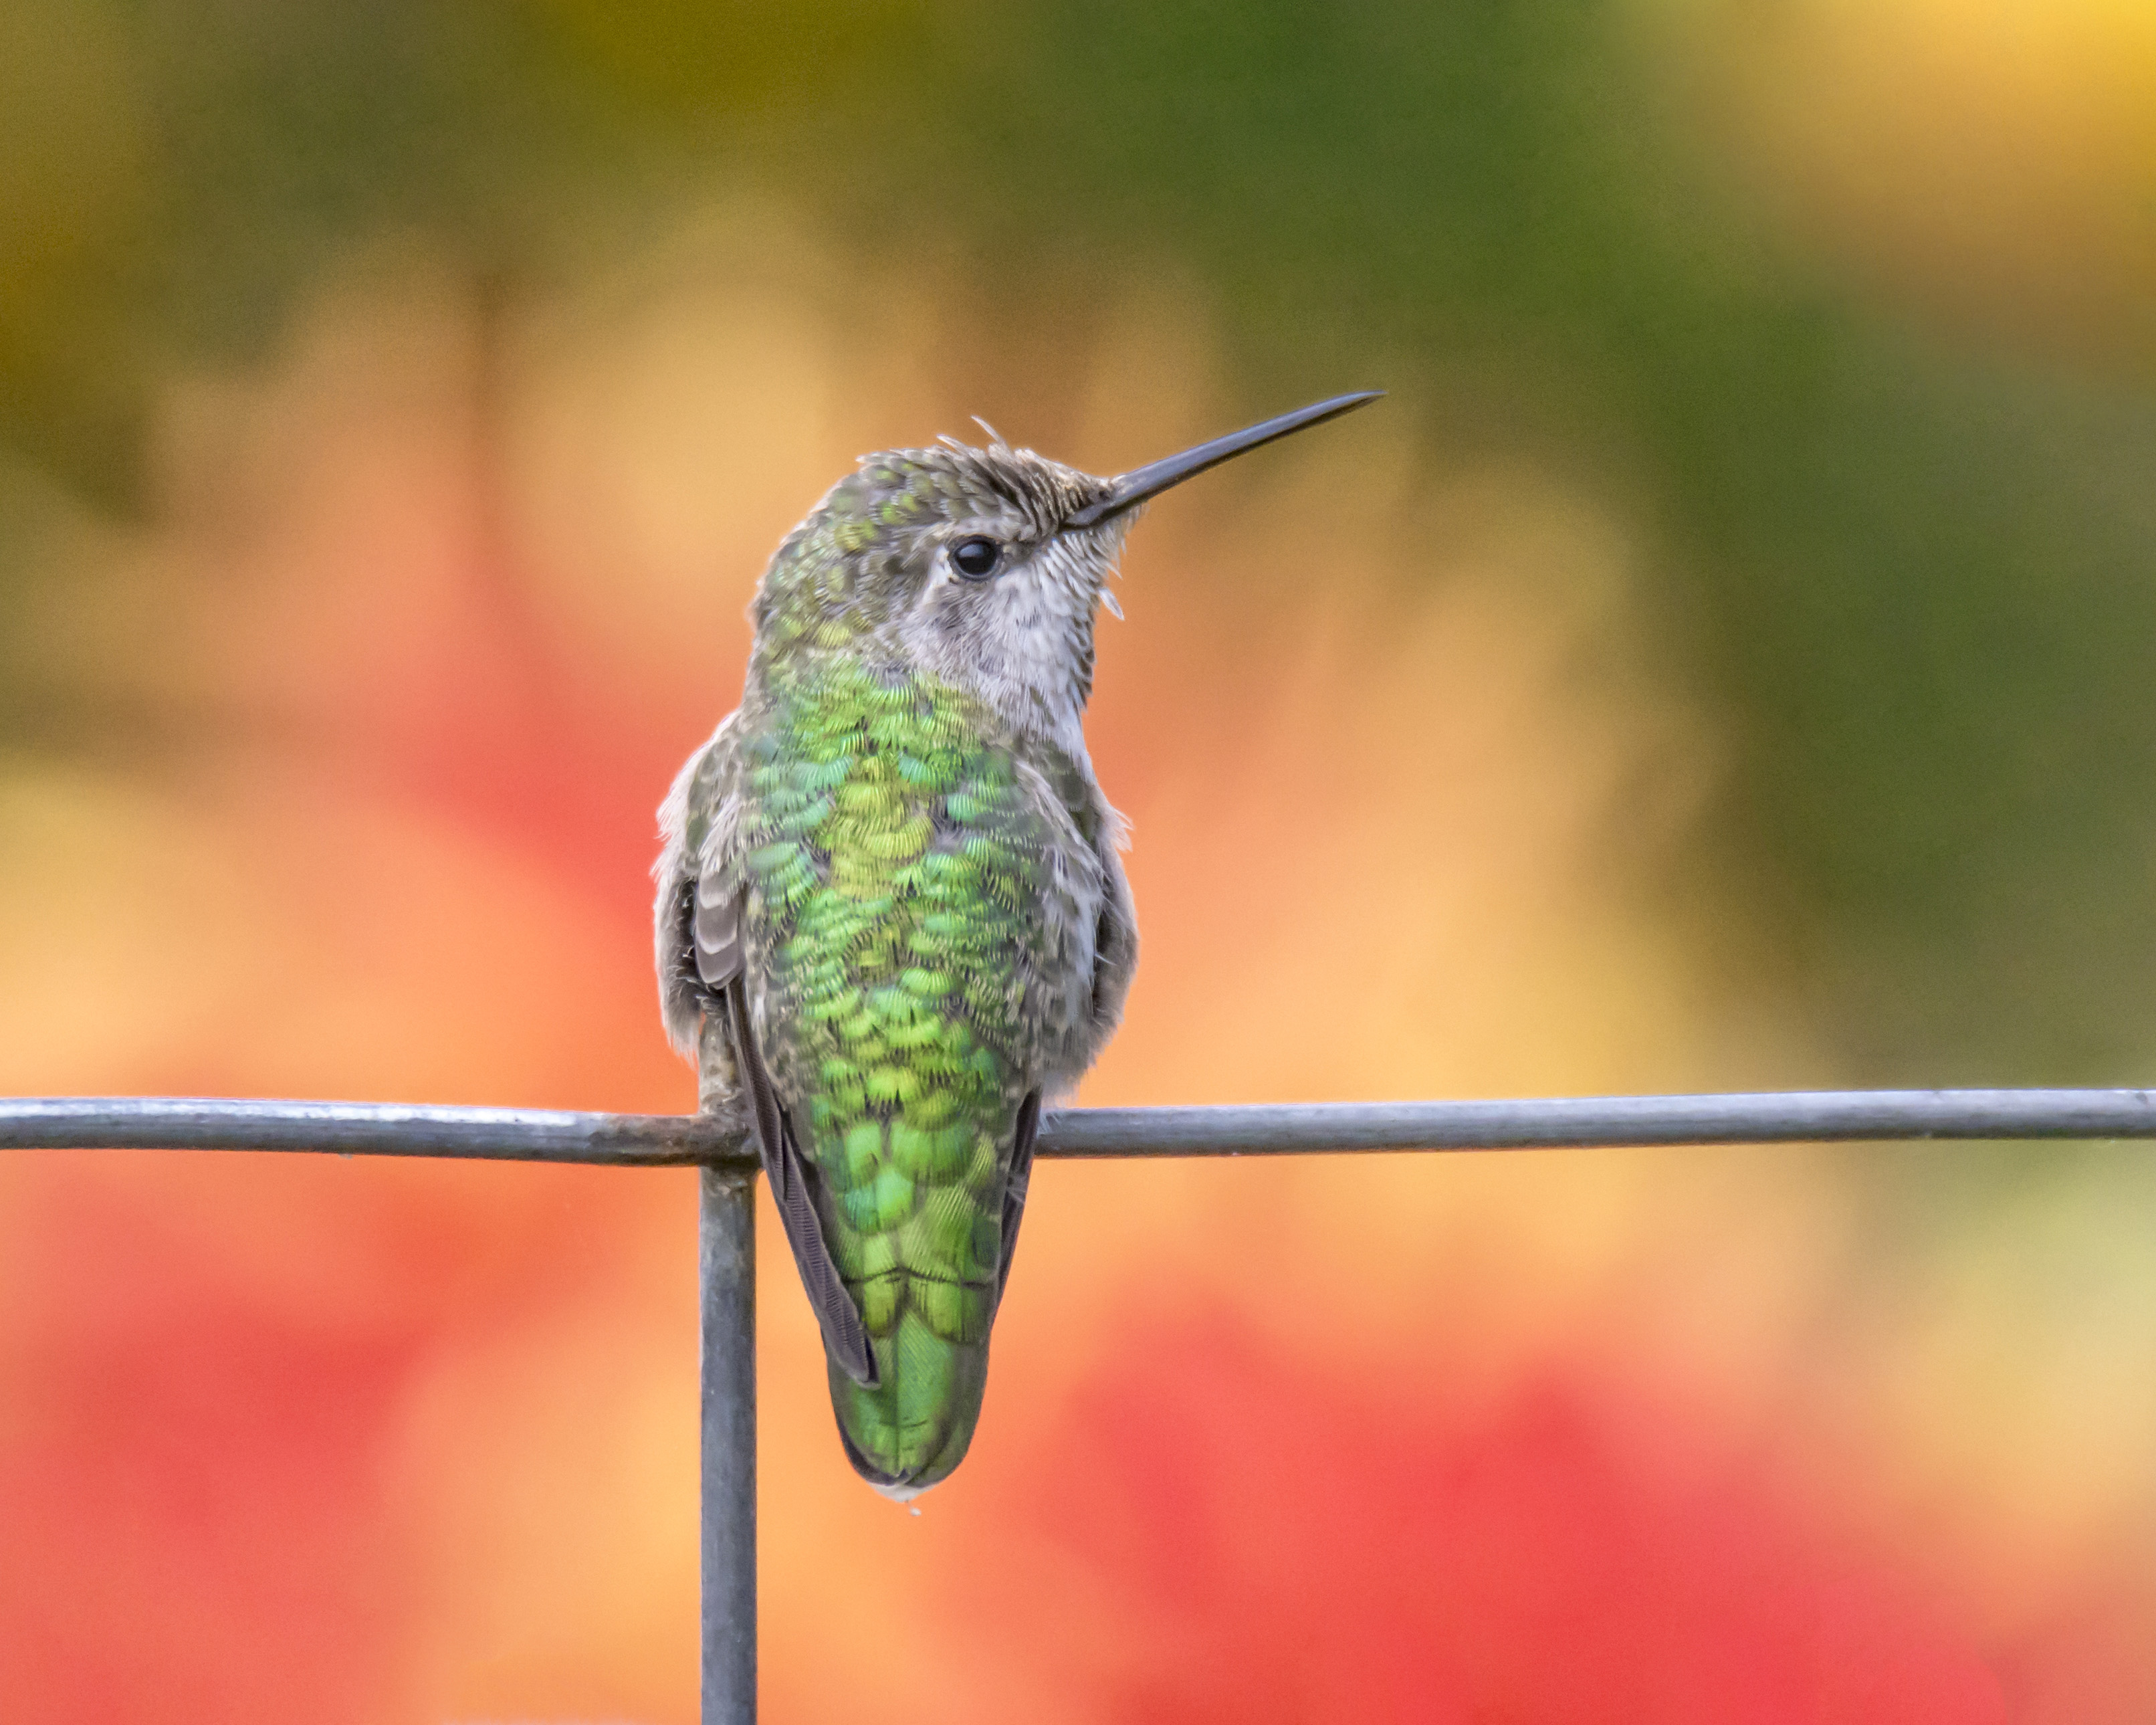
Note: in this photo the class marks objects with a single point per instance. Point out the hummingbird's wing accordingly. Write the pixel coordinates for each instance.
(1014, 1184)
(697, 824)
(717, 940)
(1115, 932)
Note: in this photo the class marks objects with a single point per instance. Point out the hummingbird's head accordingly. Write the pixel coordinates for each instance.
(986, 566)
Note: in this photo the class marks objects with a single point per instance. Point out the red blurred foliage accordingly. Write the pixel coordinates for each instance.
(188, 1463)
(1293, 1543)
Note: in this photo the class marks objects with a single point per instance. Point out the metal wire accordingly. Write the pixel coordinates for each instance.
(726, 1333)
(673, 1140)
(727, 1253)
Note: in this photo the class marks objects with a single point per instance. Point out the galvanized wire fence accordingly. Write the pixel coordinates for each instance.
(727, 1253)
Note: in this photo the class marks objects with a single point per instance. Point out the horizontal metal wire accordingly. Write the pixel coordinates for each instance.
(674, 1140)
(365, 1129)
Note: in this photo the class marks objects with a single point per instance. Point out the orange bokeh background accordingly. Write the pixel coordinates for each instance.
(435, 596)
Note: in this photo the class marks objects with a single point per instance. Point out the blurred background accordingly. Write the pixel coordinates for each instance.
(1724, 661)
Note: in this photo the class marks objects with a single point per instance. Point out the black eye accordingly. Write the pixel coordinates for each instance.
(976, 559)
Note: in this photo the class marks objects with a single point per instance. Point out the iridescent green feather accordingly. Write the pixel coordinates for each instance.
(885, 845)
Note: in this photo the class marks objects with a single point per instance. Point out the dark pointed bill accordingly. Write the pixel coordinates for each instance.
(1134, 487)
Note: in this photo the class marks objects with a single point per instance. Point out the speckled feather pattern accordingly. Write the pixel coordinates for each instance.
(933, 921)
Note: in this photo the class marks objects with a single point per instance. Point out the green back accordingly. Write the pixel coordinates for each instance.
(893, 874)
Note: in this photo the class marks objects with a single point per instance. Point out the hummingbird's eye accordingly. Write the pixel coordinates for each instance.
(976, 559)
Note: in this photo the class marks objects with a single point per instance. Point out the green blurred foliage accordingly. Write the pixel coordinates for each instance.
(1913, 575)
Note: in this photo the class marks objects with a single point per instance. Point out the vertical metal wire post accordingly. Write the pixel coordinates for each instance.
(726, 1280)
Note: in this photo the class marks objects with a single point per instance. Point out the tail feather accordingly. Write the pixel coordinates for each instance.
(927, 1288)
(914, 1426)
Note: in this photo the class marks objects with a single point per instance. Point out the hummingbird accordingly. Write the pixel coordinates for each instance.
(892, 921)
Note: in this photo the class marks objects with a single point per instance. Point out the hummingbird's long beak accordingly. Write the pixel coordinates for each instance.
(1134, 487)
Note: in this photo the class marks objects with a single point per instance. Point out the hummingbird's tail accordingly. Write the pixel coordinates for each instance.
(927, 1306)
(912, 1427)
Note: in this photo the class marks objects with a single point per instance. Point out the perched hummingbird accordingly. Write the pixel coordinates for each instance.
(891, 920)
